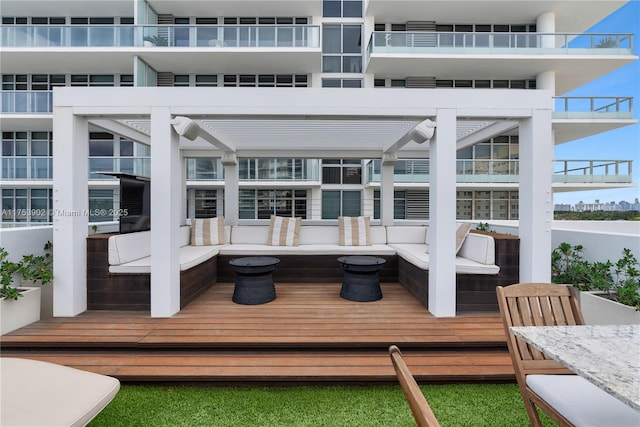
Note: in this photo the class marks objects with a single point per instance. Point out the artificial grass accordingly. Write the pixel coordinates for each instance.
(492, 405)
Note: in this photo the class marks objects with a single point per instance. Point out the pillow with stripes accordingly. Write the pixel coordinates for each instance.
(354, 230)
(207, 231)
(284, 231)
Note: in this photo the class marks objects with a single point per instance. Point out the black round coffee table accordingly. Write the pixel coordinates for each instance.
(361, 282)
(254, 283)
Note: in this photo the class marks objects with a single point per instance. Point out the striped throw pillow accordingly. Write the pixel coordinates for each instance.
(207, 231)
(354, 230)
(461, 234)
(284, 231)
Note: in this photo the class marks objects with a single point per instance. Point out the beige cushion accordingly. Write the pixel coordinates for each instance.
(284, 231)
(354, 231)
(207, 231)
(36, 393)
(461, 234)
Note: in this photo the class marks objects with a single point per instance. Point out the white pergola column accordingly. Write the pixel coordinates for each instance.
(536, 197)
(387, 165)
(442, 216)
(166, 191)
(231, 190)
(70, 212)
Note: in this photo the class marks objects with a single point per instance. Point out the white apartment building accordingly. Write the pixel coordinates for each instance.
(338, 45)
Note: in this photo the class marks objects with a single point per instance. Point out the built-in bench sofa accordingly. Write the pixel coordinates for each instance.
(118, 273)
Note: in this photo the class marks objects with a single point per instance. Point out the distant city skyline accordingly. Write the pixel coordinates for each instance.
(599, 205)
(619, 144)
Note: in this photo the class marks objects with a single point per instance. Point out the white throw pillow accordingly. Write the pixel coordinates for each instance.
(207, 231)
(354, 231)
(284, 231)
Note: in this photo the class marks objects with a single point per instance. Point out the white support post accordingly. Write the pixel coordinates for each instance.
(536, 197)
(546, 25)
(387, 166)
(442, 216)
(70, 212)
(166, 180)
(231, 190)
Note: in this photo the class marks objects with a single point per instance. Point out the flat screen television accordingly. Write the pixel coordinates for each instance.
(135, 202)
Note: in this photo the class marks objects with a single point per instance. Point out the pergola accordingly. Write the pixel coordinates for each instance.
(384, 124)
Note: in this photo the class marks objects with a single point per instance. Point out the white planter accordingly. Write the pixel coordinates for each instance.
(15, 314)
(598, 310)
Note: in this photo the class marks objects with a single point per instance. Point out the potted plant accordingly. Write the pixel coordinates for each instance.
(610, 292)
(20, 304)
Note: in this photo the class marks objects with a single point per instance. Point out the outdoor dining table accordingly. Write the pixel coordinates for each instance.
(606, 355)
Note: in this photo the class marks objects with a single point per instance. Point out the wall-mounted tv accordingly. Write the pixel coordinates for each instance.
(135, 202)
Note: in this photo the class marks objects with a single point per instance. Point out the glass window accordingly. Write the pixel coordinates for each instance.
(100, 204)
(352, 9)
(331, 8)
(331, 35)
(352, 41)
(206, 204)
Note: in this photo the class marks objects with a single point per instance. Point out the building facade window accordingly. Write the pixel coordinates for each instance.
(341, 171)
(342, 48)
(278, 169)
(26, 205)
(337, 203)
(27, 155)
(206, 203)
(204, 168)
(262, 203)
(101, 203)
(342, 9)
(399, 204)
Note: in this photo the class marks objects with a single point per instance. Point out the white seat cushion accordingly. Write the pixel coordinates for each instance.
(406, 234)
(581, 402)
(417, 255)
(190, 256)
(128, 247)
(36, 393)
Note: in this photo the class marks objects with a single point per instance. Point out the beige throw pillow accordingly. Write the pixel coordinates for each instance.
(354, 230)
(461, 234)
(207, 231)
(284, 231)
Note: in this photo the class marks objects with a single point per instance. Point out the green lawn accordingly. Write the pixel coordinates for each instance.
(454, 405)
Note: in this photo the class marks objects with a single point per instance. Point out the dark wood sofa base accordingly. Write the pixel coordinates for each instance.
(132, 292)
(475, 292)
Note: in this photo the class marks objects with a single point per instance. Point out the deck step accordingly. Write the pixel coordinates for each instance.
(282, 366)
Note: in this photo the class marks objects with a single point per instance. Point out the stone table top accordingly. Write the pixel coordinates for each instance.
(606, 355)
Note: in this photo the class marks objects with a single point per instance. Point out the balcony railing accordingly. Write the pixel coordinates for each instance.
(584, 107)
(593, 171)
(27, 167)
(140, 166)
(278, 36)
(499, 43)
(16, 102)
(507, 171)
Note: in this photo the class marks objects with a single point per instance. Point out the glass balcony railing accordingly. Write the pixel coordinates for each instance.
(140, 166)
(585, 107)
(592, 171)
(26, 101)
(204, 169)
(507, 171)
(28, 168)
(278, 36)
(499, 43)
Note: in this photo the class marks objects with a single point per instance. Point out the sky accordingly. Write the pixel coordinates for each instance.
(619, 144)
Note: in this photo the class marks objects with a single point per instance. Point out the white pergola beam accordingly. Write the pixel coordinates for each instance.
(123, 130)
(214, 138)
(486, 133)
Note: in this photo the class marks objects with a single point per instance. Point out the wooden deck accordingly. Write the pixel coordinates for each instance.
(307, 335)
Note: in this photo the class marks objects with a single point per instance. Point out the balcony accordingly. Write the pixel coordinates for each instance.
(576, 58)
(99, 36)
(593, 107)
(592, 171)
(27, 167)
(30, 102)
(139, 166)
(175, 48)
(507, 171)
